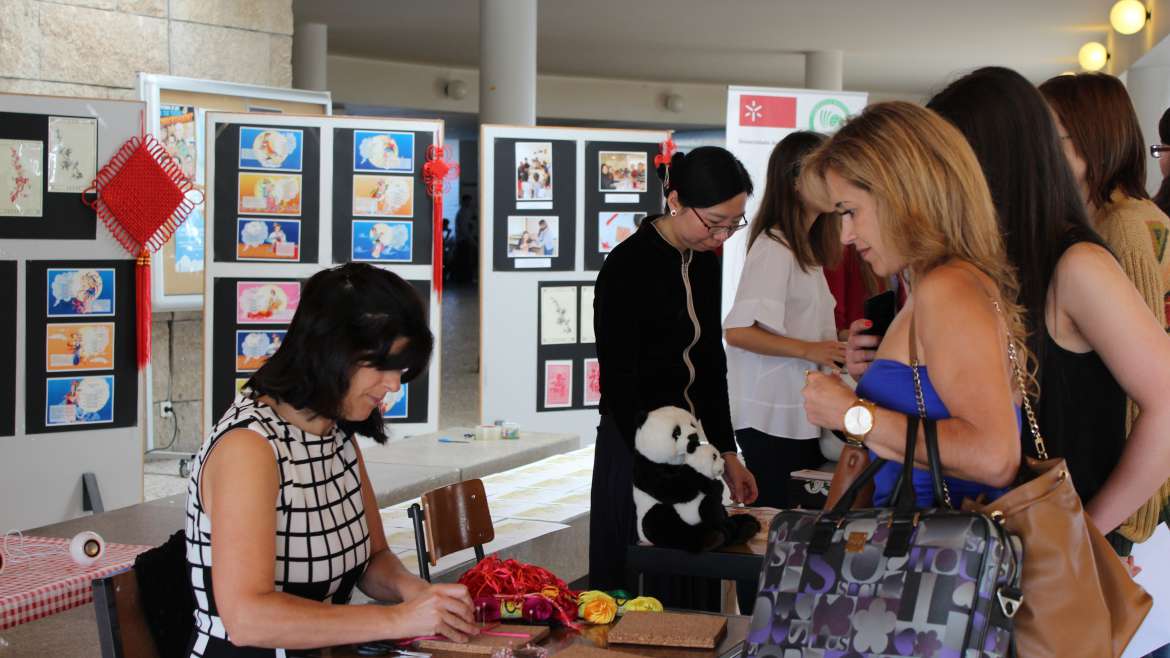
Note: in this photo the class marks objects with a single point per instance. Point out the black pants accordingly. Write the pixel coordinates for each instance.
(771, 459)
(612, 529)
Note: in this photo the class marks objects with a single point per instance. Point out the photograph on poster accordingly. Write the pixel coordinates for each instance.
(613, 227)
(241, 382)
(388, 241)
(273, 149)
(177, 132)
(253, 348)
(592, 383)
(269, 194)
(558, 384)
(79, 400)
(558, 315)
(533, 237)
(79, 346)
(587, 335)
(268, 239)
(78, 292)
(622, 171)
(396, 403)
(182, 257)
(534, 171)
(261, 302)
(72, 159)
(20, 178)
(383, 196)
(376, 151)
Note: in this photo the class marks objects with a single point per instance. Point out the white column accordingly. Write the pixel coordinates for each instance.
(824, 69)
(507, 61)
(310, 48)
(1149, 87)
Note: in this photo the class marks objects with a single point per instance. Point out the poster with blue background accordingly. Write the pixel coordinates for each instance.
(79, 400)
(80, 292)
(271, 149)
(383, 151)
(382, 241)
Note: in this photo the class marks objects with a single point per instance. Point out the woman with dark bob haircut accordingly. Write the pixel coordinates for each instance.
(281, 481)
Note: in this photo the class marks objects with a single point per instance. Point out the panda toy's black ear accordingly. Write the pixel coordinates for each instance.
(640, 419)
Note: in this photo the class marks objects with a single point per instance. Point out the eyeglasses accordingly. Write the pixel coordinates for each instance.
(724, 230)
(1156, 150)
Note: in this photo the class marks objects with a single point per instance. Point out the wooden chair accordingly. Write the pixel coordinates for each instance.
(451, 519)
(121, 620)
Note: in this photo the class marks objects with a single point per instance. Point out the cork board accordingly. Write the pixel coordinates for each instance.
(669, 629)
(486, 644)
(580, 651)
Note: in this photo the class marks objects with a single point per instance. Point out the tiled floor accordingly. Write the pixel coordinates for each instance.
(458, 401)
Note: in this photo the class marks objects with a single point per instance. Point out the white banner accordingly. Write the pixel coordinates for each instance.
(757, 119)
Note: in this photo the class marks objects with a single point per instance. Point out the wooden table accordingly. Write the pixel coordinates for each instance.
(593, 636)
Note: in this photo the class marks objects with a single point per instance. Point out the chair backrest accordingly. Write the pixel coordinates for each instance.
(121, 619)
(456, 517)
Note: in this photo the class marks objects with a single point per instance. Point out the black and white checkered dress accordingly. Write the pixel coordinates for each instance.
(322, 541)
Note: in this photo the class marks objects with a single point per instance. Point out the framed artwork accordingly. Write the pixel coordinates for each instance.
(587, 335)
(271, 149)
(80, 292)
(396, 404)
(613, 227)
(179, 134)
(622, 171)
(273, 302)
(255, 347)
(269, 194)
(72, 157)
(383, 151)
(591, 376)
(534, 171)
(558, 315)
(72, 347)
(85, 400)
(558, 384)
(533, 237)
(383, 196)
(382, 241)
(21, 184)
(268, 239)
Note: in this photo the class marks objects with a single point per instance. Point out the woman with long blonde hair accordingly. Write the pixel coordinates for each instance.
(913, 200)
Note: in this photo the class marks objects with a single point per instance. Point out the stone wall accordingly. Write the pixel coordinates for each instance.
(95, 48)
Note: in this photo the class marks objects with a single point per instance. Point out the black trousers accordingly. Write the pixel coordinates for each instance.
(771, 459)
(612, 529)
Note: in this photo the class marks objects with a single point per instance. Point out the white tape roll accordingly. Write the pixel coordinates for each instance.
(487, 432)
(86, 548)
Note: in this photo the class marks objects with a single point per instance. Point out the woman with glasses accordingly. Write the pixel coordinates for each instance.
(1161, 153)
(782, 325)
(659, 343)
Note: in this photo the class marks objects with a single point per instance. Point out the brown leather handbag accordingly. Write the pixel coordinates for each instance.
(850, 466)
(1078, 597)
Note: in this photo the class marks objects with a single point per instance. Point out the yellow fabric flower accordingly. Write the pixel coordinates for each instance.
(596, 607)
(642, 604)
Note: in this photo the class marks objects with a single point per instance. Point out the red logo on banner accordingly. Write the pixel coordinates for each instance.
(767, 111)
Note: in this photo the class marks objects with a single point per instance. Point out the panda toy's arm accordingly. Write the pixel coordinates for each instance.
(668, 483)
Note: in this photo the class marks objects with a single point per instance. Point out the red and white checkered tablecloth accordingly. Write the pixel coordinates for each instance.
(36, 587)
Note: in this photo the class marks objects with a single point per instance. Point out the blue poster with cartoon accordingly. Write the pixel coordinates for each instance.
(383, 151)
(271, 149)
(189, 243)
(394, 404)
(382, 241)
(79, 400)
(80, 292)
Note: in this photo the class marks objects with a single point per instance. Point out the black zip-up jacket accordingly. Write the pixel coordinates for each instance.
(659, 335)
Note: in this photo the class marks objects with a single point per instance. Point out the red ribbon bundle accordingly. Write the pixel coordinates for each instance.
(141, 197)
(436, 173)
(516, 581)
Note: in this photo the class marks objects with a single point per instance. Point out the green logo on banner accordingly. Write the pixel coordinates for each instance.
(827, 115)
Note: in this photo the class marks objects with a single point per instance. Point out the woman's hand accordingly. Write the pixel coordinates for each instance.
(860, 349)
(826, 398)
(437, 610)
(828, 353)
(740, 480)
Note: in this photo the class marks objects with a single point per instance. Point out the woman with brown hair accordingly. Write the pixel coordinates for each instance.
(1102, 140)
(912, 197)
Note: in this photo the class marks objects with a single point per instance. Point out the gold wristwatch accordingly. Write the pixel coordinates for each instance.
(859, 420)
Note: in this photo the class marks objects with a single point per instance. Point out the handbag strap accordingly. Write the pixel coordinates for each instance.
(1037, 439)
(941, 491)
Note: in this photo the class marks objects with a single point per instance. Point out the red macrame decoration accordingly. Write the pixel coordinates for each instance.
(437, 173)
(665, 153)
(141, 198)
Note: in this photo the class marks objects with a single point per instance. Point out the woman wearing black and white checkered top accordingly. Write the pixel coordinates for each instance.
(279, 500)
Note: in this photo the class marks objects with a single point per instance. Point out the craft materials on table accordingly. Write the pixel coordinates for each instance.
(669, 629)
(490, 639)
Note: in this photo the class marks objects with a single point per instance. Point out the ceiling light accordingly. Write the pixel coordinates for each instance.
(674, 103)
(455, 89)
(1092, 56)
(1128, 16)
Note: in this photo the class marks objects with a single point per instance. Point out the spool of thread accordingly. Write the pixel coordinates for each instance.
(487, 433)
(86, 548)
(510, 431)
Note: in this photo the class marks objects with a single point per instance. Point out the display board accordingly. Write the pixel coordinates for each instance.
(292, 195)
(70, 391)
(757, 119)
(555, 202)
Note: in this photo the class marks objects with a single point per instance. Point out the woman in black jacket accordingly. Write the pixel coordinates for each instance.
(659, 342)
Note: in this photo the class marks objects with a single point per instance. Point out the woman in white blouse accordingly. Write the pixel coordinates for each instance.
(781, 325)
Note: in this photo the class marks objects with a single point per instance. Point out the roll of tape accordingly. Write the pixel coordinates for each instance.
(487, 433)
(510, 431)
(86, 548)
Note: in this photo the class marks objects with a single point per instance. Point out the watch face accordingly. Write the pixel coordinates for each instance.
(858, 420)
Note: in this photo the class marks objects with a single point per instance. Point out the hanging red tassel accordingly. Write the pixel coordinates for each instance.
(436, 173)
(142, 281)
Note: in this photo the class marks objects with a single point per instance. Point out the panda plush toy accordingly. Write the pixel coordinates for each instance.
(678, 490)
